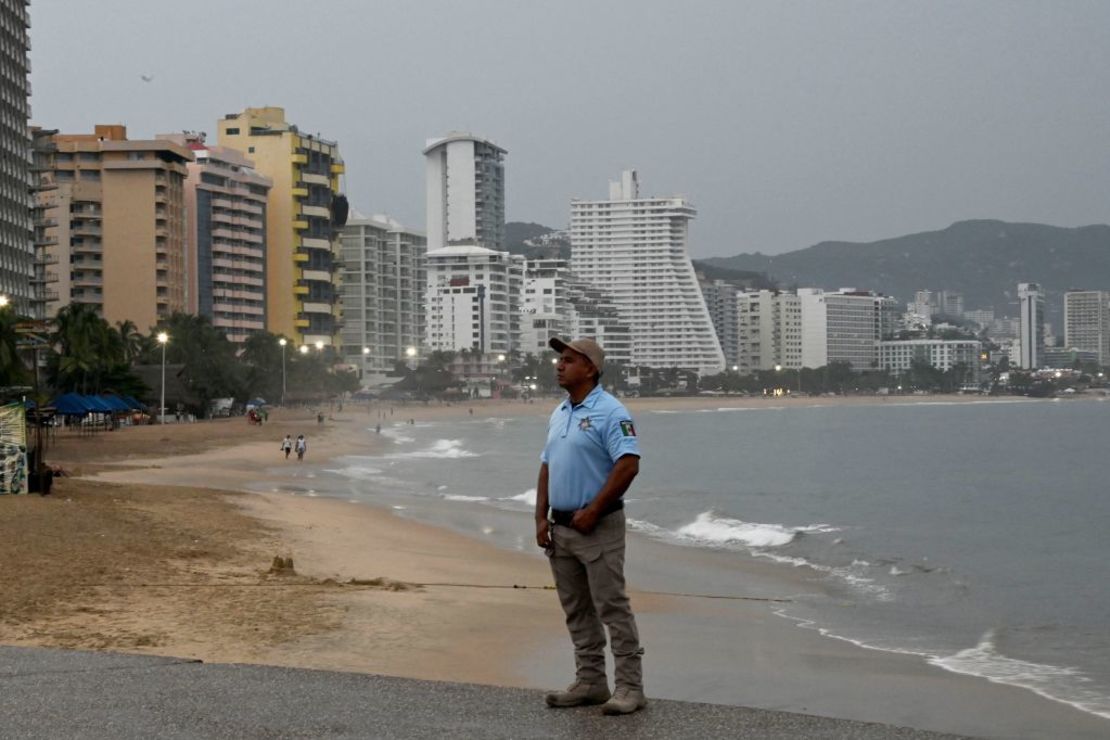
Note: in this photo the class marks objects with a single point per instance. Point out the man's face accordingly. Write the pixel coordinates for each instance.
(573, 370)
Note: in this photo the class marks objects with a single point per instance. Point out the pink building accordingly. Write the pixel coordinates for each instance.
(225, 199)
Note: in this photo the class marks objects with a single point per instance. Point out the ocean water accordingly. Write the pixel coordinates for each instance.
(976, 535)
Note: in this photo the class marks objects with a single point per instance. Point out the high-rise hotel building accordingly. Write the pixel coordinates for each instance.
(1087, 322)
(225, 201)
(384, 280)
(114, 224)
(1031, 339)
(303, 264)
(844, 326)
(17, 251)
(465, 180)
(472, 300)
(635, 250)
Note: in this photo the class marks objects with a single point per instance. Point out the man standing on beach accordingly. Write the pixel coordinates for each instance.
(590, 458)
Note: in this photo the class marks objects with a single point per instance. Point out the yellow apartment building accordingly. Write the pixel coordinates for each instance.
(303, 259)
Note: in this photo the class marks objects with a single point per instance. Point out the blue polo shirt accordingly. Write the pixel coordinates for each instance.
(584, 442)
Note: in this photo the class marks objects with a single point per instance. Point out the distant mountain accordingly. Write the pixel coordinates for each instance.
(535, 240)
(746, 278)
(983, 260)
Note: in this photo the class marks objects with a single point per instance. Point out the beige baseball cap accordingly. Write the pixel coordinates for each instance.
(587, 347)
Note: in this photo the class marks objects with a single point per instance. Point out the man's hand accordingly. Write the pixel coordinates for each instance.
(584, 520)
(543, 533)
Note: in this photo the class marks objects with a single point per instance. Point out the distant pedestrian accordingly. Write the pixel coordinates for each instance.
(591, 456)
(319, 417)
(377, 429)
(301, 447)
(287, 445)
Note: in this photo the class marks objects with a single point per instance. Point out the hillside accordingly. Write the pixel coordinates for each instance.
(984, 260)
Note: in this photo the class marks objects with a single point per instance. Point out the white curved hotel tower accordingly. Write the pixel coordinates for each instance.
(466, 192)
(634, 249)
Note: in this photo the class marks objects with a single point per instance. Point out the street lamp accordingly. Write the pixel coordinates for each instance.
(163, 338)
(283, 342)
(319, 345)
(4, 300)
(304, 349)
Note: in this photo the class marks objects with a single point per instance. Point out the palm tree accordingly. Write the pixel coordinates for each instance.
(80, 336)
(11, 367)
(131, 339)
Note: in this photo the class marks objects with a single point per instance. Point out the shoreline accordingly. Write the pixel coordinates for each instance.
(409, 633)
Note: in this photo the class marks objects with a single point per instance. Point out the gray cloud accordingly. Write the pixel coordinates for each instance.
(785, 123)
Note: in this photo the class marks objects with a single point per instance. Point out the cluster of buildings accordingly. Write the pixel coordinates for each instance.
(254, 232)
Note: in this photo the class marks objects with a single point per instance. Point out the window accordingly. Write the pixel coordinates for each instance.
(233, 132)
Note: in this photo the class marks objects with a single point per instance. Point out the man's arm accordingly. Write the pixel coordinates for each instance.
(543, 536)
(620, 478)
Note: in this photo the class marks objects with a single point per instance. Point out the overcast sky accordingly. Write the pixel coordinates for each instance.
(785, 123)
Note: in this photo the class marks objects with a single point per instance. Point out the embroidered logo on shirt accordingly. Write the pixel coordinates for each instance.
(627, 429)
(584, 424)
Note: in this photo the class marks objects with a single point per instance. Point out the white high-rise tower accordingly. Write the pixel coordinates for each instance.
(634, 250)
(1031, 301)
(466, 192)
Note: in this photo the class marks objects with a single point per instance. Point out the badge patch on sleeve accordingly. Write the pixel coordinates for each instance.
(627, 429)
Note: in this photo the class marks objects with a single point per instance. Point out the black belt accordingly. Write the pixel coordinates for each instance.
(564, 518)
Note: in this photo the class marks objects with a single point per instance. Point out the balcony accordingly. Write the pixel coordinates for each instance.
(299, 192)
(300, 225)
(48, 276)
(337, 168)
(299, 159)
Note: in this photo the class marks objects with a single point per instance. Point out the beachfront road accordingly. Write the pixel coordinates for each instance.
(46, 693)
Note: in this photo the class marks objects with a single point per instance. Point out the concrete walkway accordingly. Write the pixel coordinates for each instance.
(62, 694)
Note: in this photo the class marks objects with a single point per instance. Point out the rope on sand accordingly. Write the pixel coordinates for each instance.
(377, 586)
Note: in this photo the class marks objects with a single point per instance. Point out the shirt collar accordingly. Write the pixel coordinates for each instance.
(589, 401)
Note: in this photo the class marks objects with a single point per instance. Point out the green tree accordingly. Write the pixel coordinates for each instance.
(261, 358)
(210, 369)
(84, 347)
(12, 370)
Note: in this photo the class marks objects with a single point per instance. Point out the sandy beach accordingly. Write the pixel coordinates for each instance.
(155, 546)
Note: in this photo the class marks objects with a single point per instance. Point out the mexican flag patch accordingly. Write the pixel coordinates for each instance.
(627, 429)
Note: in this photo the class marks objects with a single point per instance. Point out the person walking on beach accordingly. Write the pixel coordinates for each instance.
(287, 445)
(301, 447)
(590, 458)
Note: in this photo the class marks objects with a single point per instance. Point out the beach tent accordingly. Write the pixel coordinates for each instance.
(133, 404)
(98, 405)
(72, 404)
(118, 405)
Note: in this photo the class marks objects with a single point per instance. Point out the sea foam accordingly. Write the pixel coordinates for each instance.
(713, 529)
(441, 449)
(1066, 685)
(528, 497)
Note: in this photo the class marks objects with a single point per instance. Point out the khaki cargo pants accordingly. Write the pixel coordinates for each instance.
(589, 578)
